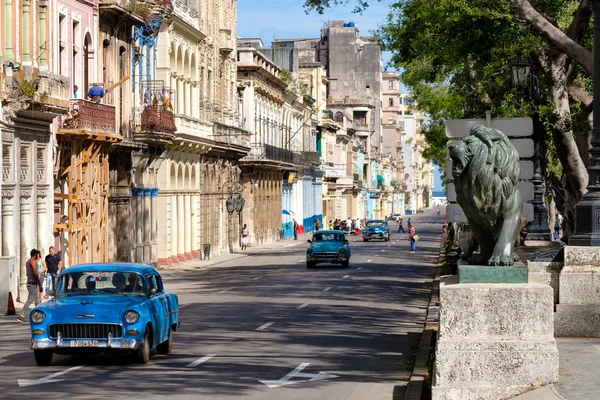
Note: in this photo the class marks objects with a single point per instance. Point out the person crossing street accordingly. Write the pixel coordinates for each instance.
(34, 285)
(295, 228)
(412, 237)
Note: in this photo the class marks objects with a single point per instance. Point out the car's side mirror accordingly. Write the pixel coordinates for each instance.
(152, 292)
(52, 293)
(309, 241)
(346, 242)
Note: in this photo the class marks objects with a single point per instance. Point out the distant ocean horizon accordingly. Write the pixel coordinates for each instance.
(438, 194)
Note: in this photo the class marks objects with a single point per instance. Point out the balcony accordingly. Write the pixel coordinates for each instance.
(187, 14)
(132, 12)
(231, 135)
(360, 126)
(225, 42)
(157, 126)
(91, 118)
(267, 152)
(310, 157)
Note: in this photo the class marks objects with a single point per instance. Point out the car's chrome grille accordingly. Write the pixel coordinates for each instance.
(86, 331)
(326, 255)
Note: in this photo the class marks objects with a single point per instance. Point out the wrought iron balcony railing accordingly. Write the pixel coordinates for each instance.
(91, 117)
(231, 135)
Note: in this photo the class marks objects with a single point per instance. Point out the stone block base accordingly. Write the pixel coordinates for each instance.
(495, 340)
(577, 320)
(547, 273)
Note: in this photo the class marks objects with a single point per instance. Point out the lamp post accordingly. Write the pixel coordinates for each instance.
(234, 202)
(524, 82)
(587, 211)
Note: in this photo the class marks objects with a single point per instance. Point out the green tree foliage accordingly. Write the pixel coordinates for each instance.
(455, 57)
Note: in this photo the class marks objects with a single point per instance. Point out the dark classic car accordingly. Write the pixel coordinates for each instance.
(113, 307)
(328, 247)
(376, 229)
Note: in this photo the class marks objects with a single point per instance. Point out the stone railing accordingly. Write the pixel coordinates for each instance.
(92, 117)
(231, 135)
(187, 14)
(53, 89)
(157, 120)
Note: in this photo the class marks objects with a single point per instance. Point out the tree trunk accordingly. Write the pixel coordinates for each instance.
(575, 178)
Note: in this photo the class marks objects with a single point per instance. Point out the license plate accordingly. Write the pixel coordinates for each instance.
(84, 343)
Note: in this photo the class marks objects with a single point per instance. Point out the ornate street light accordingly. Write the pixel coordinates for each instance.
(523, 79)
(587, 211)
(230, 203)
(239, 203)
(519, 72)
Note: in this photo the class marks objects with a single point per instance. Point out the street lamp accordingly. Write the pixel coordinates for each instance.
(233, 203)
(522, 78)
(587, 211)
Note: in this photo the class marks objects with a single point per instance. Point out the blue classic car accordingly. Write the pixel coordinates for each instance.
(114, 307)
(328, 247)
(376, 229)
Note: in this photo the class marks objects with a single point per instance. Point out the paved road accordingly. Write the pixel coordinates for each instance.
(252, 326)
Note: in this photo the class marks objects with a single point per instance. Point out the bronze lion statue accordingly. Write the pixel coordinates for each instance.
(485, 168)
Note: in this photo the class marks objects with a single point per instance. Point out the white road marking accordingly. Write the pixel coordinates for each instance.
(226, 290)
(376, 255)
(345, 276)
(303, 305)
(280, 269)
(201, 360)
(257, 278)
(368, 260)
(359, 268)
(297, 373)
(382, 249)
(327, 289)
(265, 326)
(46, 379)
(301, 261)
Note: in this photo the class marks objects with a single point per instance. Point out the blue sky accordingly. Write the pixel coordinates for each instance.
(283, 19)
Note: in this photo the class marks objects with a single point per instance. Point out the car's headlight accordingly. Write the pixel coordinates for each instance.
(38, 317)
(131, 317)
(342, 250)
(309, 250)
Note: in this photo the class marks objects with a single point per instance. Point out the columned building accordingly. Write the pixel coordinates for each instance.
(281, 169)
(34, 99)
(196, 61)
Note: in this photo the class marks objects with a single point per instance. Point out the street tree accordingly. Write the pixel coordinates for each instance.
(455, 57)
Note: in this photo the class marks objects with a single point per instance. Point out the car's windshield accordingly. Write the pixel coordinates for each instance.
(328, 237)
(101, 282)
(371, 224)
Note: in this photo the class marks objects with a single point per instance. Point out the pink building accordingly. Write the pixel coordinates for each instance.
(75, 39)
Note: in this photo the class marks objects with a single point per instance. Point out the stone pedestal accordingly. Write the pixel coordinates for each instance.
(495, 340)
(578, 311)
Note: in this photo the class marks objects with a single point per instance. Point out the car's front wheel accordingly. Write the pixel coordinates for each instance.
(310, 264)
(167, 346)
(43, 358)
(142, 356)
(346, 263)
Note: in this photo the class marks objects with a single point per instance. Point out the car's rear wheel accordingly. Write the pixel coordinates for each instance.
(142, 356)
(43, 358)
(345, 264)
(166, 347)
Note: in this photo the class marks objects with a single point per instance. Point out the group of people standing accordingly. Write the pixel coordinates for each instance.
(39, 271)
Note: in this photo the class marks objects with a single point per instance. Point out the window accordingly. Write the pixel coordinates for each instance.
(339, 117)
(391, 101)
(391, 85)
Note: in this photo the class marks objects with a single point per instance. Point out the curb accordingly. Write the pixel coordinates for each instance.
(414, 389)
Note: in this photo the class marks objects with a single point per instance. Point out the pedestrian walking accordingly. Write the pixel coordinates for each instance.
(295, 228)
(349, 225)
(409, 224)
(557, 225)
(412, 237)
(53, 268)
(400, 227)
(245, 234)
(317, 224)
(444, 236)
(34, 285)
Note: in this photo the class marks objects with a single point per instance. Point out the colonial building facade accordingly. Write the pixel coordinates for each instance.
(280, 174)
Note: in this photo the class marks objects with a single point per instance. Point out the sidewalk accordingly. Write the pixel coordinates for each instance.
(225, 257)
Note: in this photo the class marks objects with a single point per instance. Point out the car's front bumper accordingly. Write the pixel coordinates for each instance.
(375, 235)
(105, 343)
